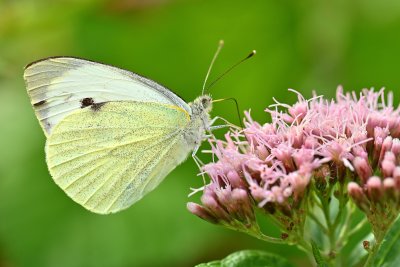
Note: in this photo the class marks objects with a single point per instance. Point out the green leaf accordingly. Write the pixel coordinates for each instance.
(388, 253)
(317, 255)
(249, 258)
(210, 264)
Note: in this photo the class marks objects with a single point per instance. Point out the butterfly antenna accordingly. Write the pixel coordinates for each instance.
(231, 68)
(220, 45)
(237, 107)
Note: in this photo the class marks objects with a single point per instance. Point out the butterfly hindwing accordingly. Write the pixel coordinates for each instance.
(108, 158)
(60, 85)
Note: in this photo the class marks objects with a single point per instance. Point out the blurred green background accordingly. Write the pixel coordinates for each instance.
(306, 45)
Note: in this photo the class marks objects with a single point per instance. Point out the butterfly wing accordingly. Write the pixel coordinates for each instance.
(60, 85)
(108, 158)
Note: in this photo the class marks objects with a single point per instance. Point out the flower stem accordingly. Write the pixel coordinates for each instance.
(371, 254)
(326, 211)
(256, 232)
(341, 220)
(269, 238)
(344, 234)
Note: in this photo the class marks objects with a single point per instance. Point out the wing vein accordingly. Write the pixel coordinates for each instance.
(144, 166)
(131, 163)
(83, 175)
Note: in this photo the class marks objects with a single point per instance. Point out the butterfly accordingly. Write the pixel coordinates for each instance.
(112, 135)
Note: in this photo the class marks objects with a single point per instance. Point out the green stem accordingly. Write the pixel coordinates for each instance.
(326, 211)
(371, 254)
(344, 233)
(342, 206)
(333, 224)
(270, 239)
(303, 245)
(255, 231)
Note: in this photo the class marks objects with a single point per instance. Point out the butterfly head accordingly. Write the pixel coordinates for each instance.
(202, 104)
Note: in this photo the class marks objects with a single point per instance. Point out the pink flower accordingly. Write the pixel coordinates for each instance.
(315, 140)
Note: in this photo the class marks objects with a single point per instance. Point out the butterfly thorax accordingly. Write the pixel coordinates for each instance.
(199, 120)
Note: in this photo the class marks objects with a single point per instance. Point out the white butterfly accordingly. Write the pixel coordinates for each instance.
(112, 135)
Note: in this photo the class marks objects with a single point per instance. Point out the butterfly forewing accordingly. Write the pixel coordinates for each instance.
(109, 157)
(58, 86)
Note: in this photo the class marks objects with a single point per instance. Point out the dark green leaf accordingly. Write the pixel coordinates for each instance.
(388, 253)
(254, 258)
(210, 264)
(249, 258)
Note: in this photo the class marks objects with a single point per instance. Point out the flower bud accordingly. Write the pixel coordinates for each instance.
(396, 147)
(277, 191)
(224, 198)
(287, 192)
(201, 212)
(284, 154)
(379, 136)
(296, 136)
(303, 156)
(299, 184)
(362, 168)
(311, 142)
(245, 208)
(234, 179)
(396, 127)
(215, 209)
(374, 188)
(359, 151)
(389, 155)
(285, 117)
(358, 196)
(390, 190)
(387, 168)
(386, 146)
(262, 152)
(396, 177)
(299, 110)
(388, 183)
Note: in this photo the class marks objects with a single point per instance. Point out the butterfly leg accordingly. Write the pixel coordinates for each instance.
(209, 135)
(198, 162)
(215, 127)
(224, 120)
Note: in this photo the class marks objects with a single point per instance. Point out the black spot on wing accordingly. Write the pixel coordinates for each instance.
(39, 103)
(97, 106)
(88, 101)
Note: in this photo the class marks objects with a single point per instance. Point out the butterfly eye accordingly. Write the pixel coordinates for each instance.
(205, 102)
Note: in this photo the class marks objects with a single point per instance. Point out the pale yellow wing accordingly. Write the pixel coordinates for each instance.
(107, 157)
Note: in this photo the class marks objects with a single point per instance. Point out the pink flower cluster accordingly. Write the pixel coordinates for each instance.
(351, 139)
